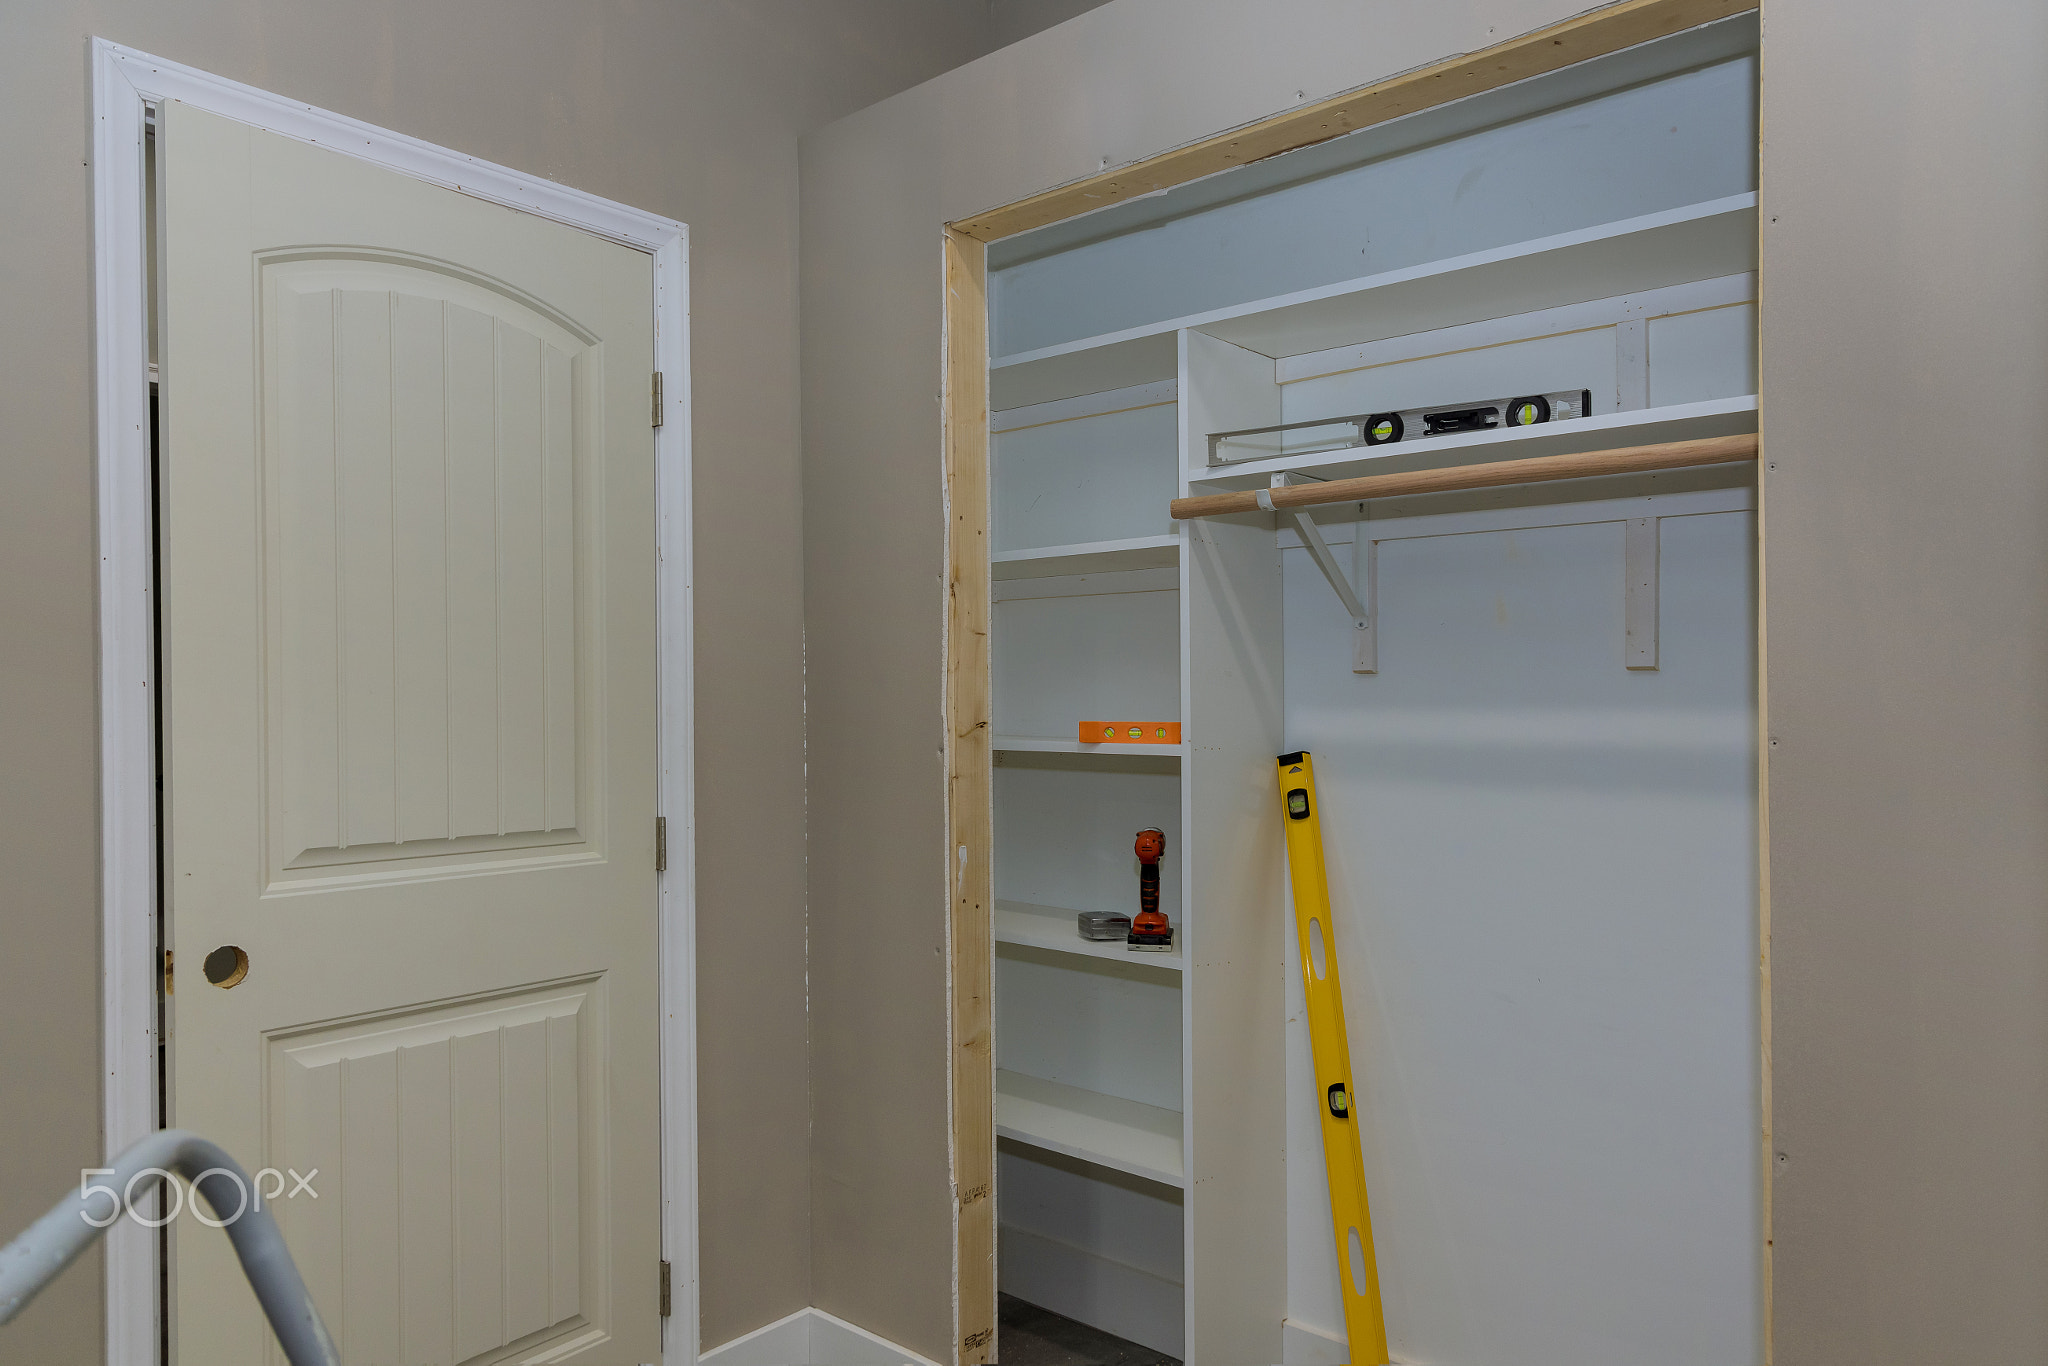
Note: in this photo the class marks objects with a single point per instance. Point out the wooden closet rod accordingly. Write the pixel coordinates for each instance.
(1668, 455)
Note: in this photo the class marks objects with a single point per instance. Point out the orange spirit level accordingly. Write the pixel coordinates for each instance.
(1130, 732)
(1359, 1273)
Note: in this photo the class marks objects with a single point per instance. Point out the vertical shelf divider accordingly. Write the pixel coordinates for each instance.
(1233, 1041)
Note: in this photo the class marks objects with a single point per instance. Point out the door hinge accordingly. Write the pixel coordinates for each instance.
(664, 1290)
(661, 844)
(657, 398)
(167, 973)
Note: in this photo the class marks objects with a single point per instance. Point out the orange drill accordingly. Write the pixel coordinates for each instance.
(1150, 933)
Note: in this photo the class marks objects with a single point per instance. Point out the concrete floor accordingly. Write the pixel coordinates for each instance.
(1027, 1335)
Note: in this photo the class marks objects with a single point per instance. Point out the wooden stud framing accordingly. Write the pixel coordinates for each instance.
(969, 698)
(1764, 742)
(1547, 49)
(970, 811)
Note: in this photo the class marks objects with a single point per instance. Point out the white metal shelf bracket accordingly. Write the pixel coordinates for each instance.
(1364, 654)
(1640, 588)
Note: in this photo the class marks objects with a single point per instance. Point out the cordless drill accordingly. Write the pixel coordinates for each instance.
(1149, 931)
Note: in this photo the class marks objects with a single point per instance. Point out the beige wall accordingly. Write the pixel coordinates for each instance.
(1906, 202)
(1905, 286)
(1015, 20)
(1114, 86)
(1905, 278)
(690, 109)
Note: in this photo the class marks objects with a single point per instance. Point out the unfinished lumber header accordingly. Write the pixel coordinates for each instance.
(1667, 455)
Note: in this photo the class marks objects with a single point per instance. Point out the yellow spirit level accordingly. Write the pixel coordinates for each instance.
(1359, 1275)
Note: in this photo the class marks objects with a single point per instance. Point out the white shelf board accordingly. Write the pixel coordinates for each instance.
(1640, 427)
(1696, 242)
(1053, 928)
(1053, 744)
(1109, 1131)
(1147, 355)
(1693, 242)
(1088, 557)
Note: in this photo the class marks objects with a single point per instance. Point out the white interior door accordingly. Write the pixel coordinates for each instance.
(409, 633)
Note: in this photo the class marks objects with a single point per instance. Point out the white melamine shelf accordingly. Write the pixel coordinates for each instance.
(1639, 427)
(1088, 557)
(1053, 928)
(1109, 1131)
(1693, 242)
(1093, 365)
(1696, 242)
(1053, 744)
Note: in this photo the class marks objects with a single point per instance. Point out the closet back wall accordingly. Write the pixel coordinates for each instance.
(1904, 157)
(688, 109)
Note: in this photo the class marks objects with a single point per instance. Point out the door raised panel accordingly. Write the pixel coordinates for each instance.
(410, 645)
(427, 571)
(456, 1179)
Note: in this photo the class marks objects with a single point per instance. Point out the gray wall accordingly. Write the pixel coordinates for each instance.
(1014, 20)
(1905, 188)
(690, 109)
(1905, 272)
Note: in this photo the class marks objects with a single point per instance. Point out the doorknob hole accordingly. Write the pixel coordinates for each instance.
(226, 965)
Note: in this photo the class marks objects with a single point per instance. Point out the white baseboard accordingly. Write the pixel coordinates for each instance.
(1084, 1285)
(1302, 1345)
(785, 1342)
(812, 1337)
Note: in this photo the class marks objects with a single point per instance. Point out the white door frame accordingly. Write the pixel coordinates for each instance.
(126, 83)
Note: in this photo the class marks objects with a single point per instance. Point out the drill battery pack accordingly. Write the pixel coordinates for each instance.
(1161, 942)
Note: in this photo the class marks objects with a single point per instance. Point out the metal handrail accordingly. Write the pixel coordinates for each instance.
(54, 1241)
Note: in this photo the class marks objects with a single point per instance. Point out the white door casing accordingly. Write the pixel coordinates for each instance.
(410, 647)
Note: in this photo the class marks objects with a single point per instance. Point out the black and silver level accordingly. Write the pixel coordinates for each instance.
(1405, 426)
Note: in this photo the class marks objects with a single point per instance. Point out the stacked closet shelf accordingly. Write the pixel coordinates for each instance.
(1593, 229)
(1086, 567)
